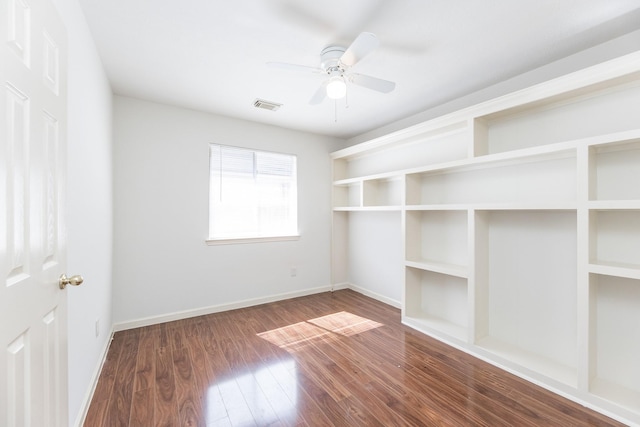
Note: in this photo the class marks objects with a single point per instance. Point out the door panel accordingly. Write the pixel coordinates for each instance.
(33, 350)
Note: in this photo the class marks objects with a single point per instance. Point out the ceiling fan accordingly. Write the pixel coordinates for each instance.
(336, 62)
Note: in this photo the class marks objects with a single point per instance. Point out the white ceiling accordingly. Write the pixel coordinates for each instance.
(211, 55)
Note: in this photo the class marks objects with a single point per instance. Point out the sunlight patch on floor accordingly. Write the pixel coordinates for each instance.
(344, 323)
(326, 329)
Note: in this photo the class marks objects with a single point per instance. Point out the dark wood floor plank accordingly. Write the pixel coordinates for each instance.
(165, 405)
(119, 409)
(336, 415)
(97, 413)
(286, 374)
(188, 398)
(145, 362)
(331, 359)
(109, 368)
(142, 408)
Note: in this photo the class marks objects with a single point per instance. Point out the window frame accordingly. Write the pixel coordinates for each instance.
(213, 241)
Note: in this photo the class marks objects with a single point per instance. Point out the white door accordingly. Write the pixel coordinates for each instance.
(33, 329)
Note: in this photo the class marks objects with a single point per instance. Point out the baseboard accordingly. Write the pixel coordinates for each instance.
(375, 295)
(340, 286)
(178, 315)
(86, 402)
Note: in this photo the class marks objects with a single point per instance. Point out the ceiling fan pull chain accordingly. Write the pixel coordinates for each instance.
(335, 111)
(346, 98)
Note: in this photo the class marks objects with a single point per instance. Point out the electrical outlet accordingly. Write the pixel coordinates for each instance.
(294, 272)
(97, 328)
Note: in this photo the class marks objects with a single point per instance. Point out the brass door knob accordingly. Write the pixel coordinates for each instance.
(73, 280)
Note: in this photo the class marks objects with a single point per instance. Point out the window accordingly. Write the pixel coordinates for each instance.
(252, 195)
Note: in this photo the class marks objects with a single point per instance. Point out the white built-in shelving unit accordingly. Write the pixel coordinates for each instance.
(520, 223)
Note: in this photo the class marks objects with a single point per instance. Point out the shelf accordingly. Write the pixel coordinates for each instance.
(531, 361)
(543, 181)
(357, 180)
(609, 110)
(435, 326)
(613, 392)
(515, 206)
(437, 301)
(382, 192)
(440, 267)
(616, 335)
(410, 150)
(367, 208)
(601, 145)
(614, 204)
(615, 171)
(437, 236)
(458, 207)
(615, 238)
(348, 195)
(619, 270)
(417, 133)
(527, 155)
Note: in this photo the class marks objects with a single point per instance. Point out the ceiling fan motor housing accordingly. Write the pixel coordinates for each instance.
(330, 58)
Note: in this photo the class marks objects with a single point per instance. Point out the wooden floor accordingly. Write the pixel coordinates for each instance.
(338, 359)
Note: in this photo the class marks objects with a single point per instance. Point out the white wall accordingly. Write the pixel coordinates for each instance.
(161, 262)
(375, 255)
(89, 206)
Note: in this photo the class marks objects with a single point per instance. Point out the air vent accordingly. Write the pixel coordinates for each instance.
(267, 105)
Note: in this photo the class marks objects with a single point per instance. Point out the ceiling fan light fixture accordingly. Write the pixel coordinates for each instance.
(336, 88)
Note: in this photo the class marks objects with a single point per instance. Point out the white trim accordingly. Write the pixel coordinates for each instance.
(375, 295)
(86, 402)
(340, 286)
(178, 315)
(239, 240)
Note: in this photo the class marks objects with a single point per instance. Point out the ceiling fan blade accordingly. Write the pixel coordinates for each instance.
(320, 94)
(363, 45)
(295, 67)
(373, 83)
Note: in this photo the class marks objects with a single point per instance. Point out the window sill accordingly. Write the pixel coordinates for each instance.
(241, 240)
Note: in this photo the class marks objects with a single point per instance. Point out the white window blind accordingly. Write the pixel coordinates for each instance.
(253, 194)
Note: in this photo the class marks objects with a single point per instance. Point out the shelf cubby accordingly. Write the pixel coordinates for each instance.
(348, 195)
(615, 238)
(527, 312)
(524, 181)
(616, 333)
(437, 240)
(417, 148)
(382, 191)
(611, 109)
(615, 171)
(437, 302)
